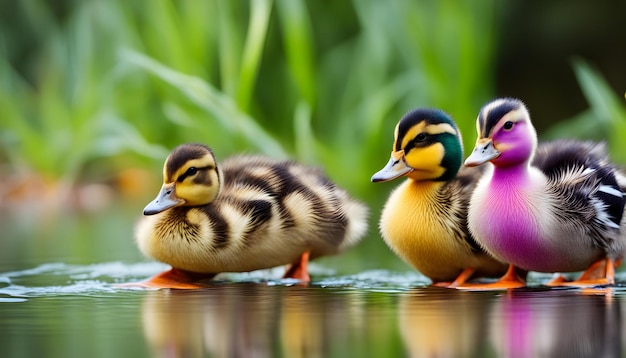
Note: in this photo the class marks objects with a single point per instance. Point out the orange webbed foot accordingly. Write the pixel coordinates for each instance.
(513, 278)
(461, 279)
(600, 273)
(299, 270)
(558, 280)
(174, 278)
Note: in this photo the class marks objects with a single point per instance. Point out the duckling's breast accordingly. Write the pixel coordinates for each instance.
(518, 222)
(226, 240)
(420, 228)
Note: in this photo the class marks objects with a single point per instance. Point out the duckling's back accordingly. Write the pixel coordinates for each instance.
(294, 201)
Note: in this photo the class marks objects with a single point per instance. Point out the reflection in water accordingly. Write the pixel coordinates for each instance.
(443, 322)
(531, 323)
(556, 323)
(366, 315)
(249, 320)
(301, 327)
(227, 321)
(257, 320)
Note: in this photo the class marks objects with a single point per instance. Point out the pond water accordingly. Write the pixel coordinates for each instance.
(58, 298)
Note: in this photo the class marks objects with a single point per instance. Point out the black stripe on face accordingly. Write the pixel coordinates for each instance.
(490, 115)
(429, 140)
(203, 177)
(406, 123)
(414, 117)
(200, 175)
(182, 154)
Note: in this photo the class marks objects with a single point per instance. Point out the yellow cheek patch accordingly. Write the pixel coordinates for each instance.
(196, 194)
(426, 161)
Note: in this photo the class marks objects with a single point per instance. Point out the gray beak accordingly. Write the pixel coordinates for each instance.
(395, 168)
(166, 199)
(483, 152)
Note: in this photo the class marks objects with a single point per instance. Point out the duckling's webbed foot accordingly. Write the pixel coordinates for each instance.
(461, 279)
(174, 278)
(300, 269)
(513, 278)
(600, 273)
(557, 280)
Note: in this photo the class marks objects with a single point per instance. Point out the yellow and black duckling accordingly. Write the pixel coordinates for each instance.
(248, 213)
(425, 219)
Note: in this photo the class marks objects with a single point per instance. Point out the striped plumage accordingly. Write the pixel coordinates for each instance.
(248, 213)
(425, 218)
(562, 213)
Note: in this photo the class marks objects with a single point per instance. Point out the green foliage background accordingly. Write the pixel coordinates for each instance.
(88, 88)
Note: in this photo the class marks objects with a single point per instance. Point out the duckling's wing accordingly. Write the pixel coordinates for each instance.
(307, 202)
(586, 183)
(554, 158)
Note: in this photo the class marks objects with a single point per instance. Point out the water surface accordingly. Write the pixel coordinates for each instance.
(58, 298)
(60, 310)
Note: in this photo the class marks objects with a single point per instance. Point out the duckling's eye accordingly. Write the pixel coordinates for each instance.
(191, 171)
(420, 137)
(508, 126)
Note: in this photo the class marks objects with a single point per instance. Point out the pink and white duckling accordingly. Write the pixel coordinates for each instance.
(556, 208)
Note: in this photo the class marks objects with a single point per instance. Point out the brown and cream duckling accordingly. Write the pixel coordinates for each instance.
(248, 213)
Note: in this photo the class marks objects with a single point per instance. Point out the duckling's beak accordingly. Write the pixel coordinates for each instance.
(165, 199)
(396, 167)
(484, 151)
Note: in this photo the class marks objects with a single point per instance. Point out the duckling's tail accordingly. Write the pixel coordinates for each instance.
(357, 215)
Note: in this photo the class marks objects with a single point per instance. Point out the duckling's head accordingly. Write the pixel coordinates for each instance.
(427, 146)
(190, 178)
(506, 136)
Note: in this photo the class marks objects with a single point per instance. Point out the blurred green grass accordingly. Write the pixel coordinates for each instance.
(115, 83)
(89, 88)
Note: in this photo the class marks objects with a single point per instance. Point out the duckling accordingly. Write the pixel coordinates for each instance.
(425, 218)
(555, 209)
(246, 214)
